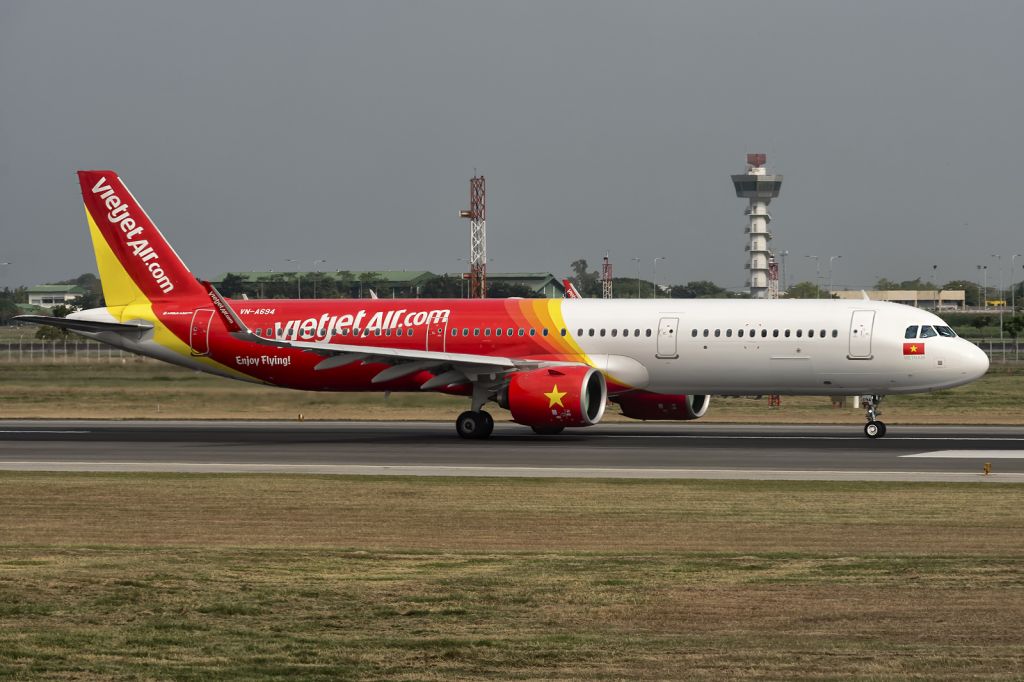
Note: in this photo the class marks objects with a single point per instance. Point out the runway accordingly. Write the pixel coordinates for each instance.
(691, 450)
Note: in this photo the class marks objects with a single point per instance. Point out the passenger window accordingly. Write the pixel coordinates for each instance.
(835, 333)
(487, 331)
(787, 334)
(739, 333)
(945, 331)
(810, 333)
(927, 331)
(398, 333)
(694, 333)
(533, 332)
(911, 332)
(728, 333)
(520, 331)
(602, 332)
(625, 332)
(636, 332)
(409, 333)
(718, 332)
(615, 332)
(355, 332)
(579, 332)
(775, 333)
(510, 330)
(544, 332)
(799, 333)
(562, 330)
(590, 332)
(706, 332)
(476, 331)
(648, 332)
(822, 334)
(387, 332)
(465, 331)
(455, 332)
(497, 332)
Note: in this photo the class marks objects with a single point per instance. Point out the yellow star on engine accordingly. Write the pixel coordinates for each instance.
(555, 397)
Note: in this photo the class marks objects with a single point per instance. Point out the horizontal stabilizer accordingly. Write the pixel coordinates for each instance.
(86, 325)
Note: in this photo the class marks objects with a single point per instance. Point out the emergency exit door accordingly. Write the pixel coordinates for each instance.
(861, 324)
(667, 332)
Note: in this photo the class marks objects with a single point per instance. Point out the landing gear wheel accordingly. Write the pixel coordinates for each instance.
(548, 430)
(874, 429)
(488, 424)
(474, 424)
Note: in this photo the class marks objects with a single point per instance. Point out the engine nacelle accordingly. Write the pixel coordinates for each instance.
(556, 396)
(651, 406)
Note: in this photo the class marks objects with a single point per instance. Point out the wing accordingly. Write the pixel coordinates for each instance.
(449, 368)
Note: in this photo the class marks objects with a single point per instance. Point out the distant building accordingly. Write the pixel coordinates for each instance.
(947, 299)
(49, 295)
(542, 284)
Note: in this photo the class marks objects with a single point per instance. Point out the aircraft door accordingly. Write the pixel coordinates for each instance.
(861, 325)
(667, 342)
(199, 332)
(437, 336)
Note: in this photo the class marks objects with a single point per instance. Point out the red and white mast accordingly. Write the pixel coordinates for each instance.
(477, 215)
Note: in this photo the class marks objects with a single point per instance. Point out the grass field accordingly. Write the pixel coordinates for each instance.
(151, 390)
(148, 576)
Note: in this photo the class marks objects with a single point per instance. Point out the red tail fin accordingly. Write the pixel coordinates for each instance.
(133, 257)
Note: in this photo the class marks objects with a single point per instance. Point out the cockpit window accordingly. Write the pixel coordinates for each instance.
(911, 332)
(927, 331)
(945, 331)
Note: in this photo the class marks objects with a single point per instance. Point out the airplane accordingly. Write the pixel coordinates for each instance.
(553, 363)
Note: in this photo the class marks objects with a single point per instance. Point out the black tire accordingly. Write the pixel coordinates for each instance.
(488, 424)
(547, 430)
(874, 430)
(473, 425)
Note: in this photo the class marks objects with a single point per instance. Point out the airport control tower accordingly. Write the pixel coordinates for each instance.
(759, 189)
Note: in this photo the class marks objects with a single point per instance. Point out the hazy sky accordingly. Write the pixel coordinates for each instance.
(256, 132)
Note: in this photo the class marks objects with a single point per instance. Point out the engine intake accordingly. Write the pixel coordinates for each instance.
(556, 396)
(654, 406)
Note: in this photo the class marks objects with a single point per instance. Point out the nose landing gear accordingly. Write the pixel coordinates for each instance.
(874, 428)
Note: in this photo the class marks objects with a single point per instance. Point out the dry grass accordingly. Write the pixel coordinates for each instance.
(144, 576)
(149, 390)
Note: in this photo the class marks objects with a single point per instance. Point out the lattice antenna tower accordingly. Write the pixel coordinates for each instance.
(477, 215)
(606, 277)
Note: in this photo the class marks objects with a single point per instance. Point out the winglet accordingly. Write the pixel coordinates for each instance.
(232, 321)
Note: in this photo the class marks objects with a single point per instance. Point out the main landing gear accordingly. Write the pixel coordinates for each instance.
(874, 428)
(472, 424)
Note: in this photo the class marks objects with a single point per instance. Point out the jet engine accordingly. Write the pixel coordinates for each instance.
(555, 397)
(651, 406)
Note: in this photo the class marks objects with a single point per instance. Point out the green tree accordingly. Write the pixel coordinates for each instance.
(586, 282)
(233, 286)
(971, 290)
(443, 286)
(699, 289)
(806, 290)
(8, 308)
(508, 290)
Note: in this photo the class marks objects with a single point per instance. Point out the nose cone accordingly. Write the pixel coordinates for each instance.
(975, 361)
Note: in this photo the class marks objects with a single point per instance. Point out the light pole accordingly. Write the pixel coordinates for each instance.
(655, 275)
(817, 274)
(316, 271)
(1013, 289)
(298, 275)
(830, 260)
(637, 277)
(983, 293)
(1002, 294)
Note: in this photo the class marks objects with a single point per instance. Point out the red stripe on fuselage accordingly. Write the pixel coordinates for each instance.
(336, 320)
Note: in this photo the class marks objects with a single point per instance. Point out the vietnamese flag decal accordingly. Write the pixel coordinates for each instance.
(916, 348)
